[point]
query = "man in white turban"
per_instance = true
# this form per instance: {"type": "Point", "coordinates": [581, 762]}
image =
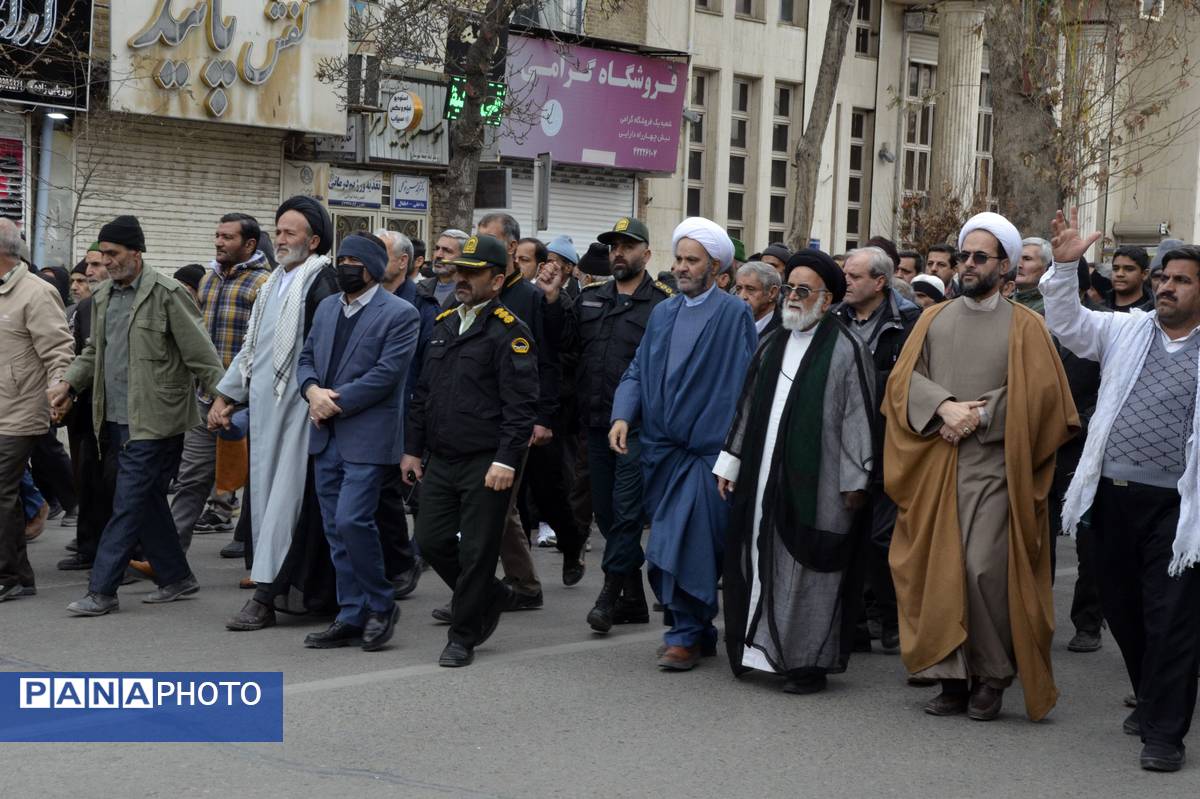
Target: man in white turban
{"type": "Point", "coordinates": [682, 388]}
{"type": "Point", "coordinates": [976, 407]}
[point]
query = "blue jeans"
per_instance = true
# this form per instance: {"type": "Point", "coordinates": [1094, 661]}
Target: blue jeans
{"type": "Point", "coordinates": [349, 495]}
{"type": "Point", "coordinates": [617, 501]}
{"type": "Point", "coordinates": [140, 514]}
{"type": "Point", "coordinates": [31, 498]}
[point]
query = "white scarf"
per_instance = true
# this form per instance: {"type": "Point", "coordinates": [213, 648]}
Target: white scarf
{"type": "Point", "coordinates": [1125, 348]}
{"type": "Point", "coordinates": [290, 317]}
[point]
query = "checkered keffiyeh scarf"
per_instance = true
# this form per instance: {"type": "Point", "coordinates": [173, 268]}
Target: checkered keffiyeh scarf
{"type": "Point", "coordinates": [290, 317]}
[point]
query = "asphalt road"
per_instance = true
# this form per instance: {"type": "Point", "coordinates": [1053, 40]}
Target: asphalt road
{"type": "Point", "coordinates": [549, 709]}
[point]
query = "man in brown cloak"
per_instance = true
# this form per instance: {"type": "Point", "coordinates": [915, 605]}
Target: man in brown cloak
{"type": "Point", "coordinates": [976, 406]}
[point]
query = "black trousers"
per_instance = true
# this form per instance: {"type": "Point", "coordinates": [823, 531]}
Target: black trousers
{"type": "Point", "coordinates": [398, 555]}
{"type": "Point", "coordinates": [549, 485]}
{"type": "Point", "coordinates": [882, 520]}
{"type": "Point", "coordinates": [14, 561]}
{"type": "Point", "coordinates": [52, 471]}
{"type": "Point", "coordinates": [1155, 618]}
{"type": "Point", "coordinates": [1086, 613]}
{"type": "Point", "coordinates": [454, 499]}
{"type": "Point", "coordinates": [97, 483]}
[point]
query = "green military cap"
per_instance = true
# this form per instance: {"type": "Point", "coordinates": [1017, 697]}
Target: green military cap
{"type": "Point", "coordinates": [626, 226]}
{"type": "Point", "coordinates": [482, 252]}
{"type": "Point", "coordinates": [739, 250]}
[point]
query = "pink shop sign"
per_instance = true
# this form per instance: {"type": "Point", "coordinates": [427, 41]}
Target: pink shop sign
{"type": "Point", "coordinates": [593, 107]}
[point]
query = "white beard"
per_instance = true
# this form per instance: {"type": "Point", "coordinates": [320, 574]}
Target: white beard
{"type": "Point", "coordinates": [792, 319]}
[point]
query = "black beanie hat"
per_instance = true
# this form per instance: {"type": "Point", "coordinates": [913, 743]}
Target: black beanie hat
{"type": "Point", "coordinates": [126, 231]}
{"type": "Point", "coordinates": [595, 261]}
{"type": "Point", "coordinates": [190, 275]}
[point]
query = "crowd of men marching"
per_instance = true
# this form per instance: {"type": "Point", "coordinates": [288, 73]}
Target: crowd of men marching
{"type": "Point", "coordinates": [827, 449]}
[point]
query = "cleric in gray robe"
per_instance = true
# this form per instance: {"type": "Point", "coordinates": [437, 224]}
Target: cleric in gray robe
{"type": "Point", "coordinates": [264, 375]}
{"type": "Point", "coordinates": [798, 460]}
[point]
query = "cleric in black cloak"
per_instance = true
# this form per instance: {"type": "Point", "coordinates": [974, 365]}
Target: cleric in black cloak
{"type": "Point", "coordinates": [798, 459]}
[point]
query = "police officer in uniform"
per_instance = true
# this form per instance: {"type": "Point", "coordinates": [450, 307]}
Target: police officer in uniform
{"type": "Point", "coordinates": [605, 328]}
{"type": "Point", "coordinates": [473, 413]}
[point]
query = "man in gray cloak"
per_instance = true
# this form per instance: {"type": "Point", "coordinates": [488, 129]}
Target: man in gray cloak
{"type": "Point", "coordinates": [798, 460]}
{"type": "Point", "coordinates": [264, 375]}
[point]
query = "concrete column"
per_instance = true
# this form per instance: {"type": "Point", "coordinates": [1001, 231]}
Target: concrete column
{"type": "Point", "coordinates": [956, 118]}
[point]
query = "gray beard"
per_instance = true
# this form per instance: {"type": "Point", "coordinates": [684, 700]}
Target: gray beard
{"type": "Point", "coordinates": [293, 258]}
{"type": "Point", "coordinates": [800, 320]}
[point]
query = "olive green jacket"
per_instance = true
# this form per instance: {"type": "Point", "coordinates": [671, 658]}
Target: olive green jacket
{"type": "Point", "coordinates": [167, 347]}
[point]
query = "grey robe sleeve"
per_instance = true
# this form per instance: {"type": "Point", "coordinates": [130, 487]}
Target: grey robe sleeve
{"type": "Point", "coordinates": [857, 456]}
{"type": "Point", "coordinates": [924, 397]}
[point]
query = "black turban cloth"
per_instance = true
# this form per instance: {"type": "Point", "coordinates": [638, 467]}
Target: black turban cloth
{"type": "Point", "coordinates": [595, 261]}
{"type": "Point", "coordinates": [317, 216]}
{"type": "Point", "coordinates": [823, 265]}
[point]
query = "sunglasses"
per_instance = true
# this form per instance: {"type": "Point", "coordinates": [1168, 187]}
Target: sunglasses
{"type": "Point", "coordinates": [803, 292]}
{"type": "Point", "coordinates": [979, 258]}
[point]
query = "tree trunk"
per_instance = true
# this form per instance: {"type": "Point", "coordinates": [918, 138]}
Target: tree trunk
{"type": "Point", "coordinates": [1024, 150]}
{"type": "Point", "coordinates": [456, 191]}
{"type": "Point", "coordinates": [808, 150]}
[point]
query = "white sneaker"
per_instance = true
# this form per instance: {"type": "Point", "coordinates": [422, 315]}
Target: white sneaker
{"type": "Point", "coordinates": [546, 536]}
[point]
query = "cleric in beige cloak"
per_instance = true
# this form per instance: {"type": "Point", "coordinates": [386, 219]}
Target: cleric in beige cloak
{"type": "Point", "coordinates": [976, 406]}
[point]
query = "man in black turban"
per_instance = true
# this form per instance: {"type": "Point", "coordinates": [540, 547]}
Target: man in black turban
{"type": "Point", "coordinates": [797, 461]}
{"type": "Point", "coordinates": [319, 223]}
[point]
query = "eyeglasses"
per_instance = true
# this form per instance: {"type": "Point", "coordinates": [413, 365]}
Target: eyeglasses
{"type": "Point", "coordinates": [979, 258]}
{"type": "Point", "coordinates": [803, 292]}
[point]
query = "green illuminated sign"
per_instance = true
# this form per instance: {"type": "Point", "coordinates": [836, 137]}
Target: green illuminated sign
{"type": "Point", "coordinates": [491, 109]}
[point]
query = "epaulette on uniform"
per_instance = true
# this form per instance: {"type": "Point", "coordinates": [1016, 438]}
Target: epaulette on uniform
{"type": "Point", "coordinates": [504, 315]}
{"type": "Point", "coordinates": [444, 314]}
{"type": "Point", "coordinates": [664, 288]}
{"type": "Point", "coordinates": [594, 285]}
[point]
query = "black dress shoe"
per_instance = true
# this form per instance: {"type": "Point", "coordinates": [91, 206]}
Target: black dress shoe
{"type": "Point", "coordinates": [72, 545]}
{"type": "Point", "coordinates": [522, 601]}
{"type": "Point", "coordinates": [74, 563]}
{"type": "Point", "coordinates": [337, 634]}
{"type": "Point", "coordinates": [379, 629]}
{"type": "Point", "coordinates": [442, 614]}
{"type": "Point", "coordinates": [456, 655]}
{"type": "Point", "coordinates": [1131, 725]}
{"type": "Point", "coordinates": [1162, 757]}
{"type": "Point", "coordinates": [234, 549]}
{"type": "Point", "coordinates": [573, 569]}
{"type": "Point", "coordinates": [806, 684]}
{"type": "Point", "coordinates": [405, 583]}
{"type": "Point", "coordinates": [253, 616]}
{"type": "Point", "coordinates": [1085, 641]}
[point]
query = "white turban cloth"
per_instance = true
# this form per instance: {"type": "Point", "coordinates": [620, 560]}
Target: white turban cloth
{"type": "Point", "coordinates": [709, 235]}
{"type": "Point", "coordinates": [998, 226]}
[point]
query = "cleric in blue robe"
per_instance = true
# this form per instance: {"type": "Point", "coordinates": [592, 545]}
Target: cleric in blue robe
{"type": "Point", "coordinates": [682, 389]}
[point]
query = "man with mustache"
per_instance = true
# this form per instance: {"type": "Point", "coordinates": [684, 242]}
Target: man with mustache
{"type": "Point", "coordinates": [976, 407]}
{"type": "Point", "coordinates": [1139, 475]}
{"type": "Point", "coordinates": [681, 388]}
{"type": "Point", "coordinates": [798, 461]}
{"type": "Point", "coordinates": [605, 329]}
{"type": "Point", "coordinates": [446, 248]}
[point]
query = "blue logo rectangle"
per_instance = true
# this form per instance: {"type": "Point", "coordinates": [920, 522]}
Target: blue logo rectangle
{"type": "Point", "coordinates": [235, 707]}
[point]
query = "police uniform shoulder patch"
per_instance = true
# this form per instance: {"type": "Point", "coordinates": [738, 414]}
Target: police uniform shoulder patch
{"type": "Point", "coordinates": [664, 288]}
{"type": "Point", "coordinates": [504, 315]}
{"type": "Point", "coordinates": [444, 314]}
{"type": "Point", "coordinates": [520, 345]}
{"type": "Point", "coordinates": [593, 286]}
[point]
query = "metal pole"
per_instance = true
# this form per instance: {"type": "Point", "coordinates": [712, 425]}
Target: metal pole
{"type": "Point", "coordinates": [41, 215]}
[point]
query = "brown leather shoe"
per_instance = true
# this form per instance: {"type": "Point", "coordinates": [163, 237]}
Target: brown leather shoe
{"type": "Point", "coordinates": [948, 703]}
{"type": "Point", "coordinates": [679, 658]}
{"type": "Point", "coordinates": [142, 567]}
{"type": "Point", "coordinates": [247, 584]}
{"type": "Point", "coordinates": [253, 616]}
{"type": "Point", "coordinates": [985, 702]}
{"type": "Point", "coordinates": [34, 527]}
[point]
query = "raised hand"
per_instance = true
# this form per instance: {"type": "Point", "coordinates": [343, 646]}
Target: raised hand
{"type": "Point", "coordinates": [1066, 242]}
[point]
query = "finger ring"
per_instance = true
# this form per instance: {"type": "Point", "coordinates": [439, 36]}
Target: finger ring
{"type": "Point", "coordinates": [965, 431]}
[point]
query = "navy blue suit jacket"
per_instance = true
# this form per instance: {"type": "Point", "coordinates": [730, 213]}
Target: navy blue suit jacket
{"type": "Point", "coordinates": [370, 379]}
